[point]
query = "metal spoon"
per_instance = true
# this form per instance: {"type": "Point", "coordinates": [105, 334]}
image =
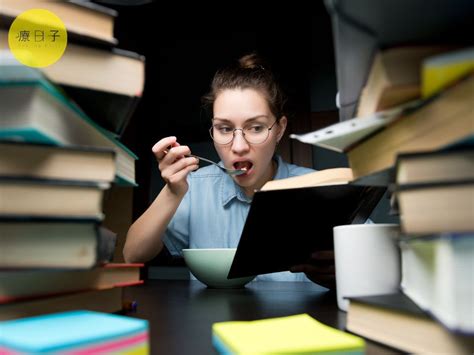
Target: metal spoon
{"type": "Point", "coordinates": [228, 171]}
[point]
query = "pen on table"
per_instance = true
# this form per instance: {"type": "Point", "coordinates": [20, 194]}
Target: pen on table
{"type": "Point", "coordinates": [129, 306]}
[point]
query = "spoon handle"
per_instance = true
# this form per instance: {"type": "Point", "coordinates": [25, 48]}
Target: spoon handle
{"type": "Point", "coordinates": [228, 171]}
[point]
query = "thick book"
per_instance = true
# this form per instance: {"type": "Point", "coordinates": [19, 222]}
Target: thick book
{"type": "Point", "coordinates": [75, 332]}
{"type": "Point", "coordinates": [396, 321]}
{"type": "Point", "coordinates": [295, 334]}
{"type": "Point", "coordinates": [43, 161]}
{"type": "Point", "coordinates": [106, 83]}
{"type": "Point", "coordinates": [394, 78]}
{"type": "Point", "coordinates": [372, 143]}
{"type": "Point", "coordinates": [51, 198]}
{"type": "Point", "coordinates": [85, 21]}
{"type": "Point", "coordinates": [436, 207]}
{"type": "Point", "coordinates": [291, 218]}
{"type": "Point", "coordinates": [34, 110]}
{"type": "Point", "coordinates": [432, 167]}
{"type": "Point", "coordinates": [100, 300]}
{"type": "Point", "coordinates": [30, 242]}
{"type": "Point", "coordinates": [112, 111]}
{"type": "Point", "coordinates": [440, 122]}
{"type": "Point", "coordinates": [437, 274]}
{"type": "Point", "coordinates": [17, 284]}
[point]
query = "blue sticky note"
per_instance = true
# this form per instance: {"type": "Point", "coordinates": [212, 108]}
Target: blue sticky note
{"type": "Point", "coordinates": [60, 331]}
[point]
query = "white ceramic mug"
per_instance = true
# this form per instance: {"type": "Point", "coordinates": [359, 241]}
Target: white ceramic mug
{"type": "Point", "coordinates": [367, 260]}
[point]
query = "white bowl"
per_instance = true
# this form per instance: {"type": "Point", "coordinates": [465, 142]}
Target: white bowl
{"type": "Point", "coordinates": [211, 267]}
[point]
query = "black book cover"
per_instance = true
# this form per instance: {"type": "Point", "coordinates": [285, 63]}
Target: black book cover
{"type": "Point", "coordinates": [110, 110]}
{"type": "Point", "coordinates": [95, 7]}
{"type": "Point", "coordinates": [385, 177]}
{"type": "Point", "coordinates": [284, 227]}
{"type": "Point", "coordinates": [73, 37]}
{"type": "Point", "coordinates": [395, 320]}
{"type": "Point", "coordinates": [398, 302]}
{"type": "Point", "coordinates": [45, 182]}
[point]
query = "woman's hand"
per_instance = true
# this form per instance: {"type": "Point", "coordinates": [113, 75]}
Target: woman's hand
{"type": "Point", "coordinates": [321, 269]}
{"type": "Point", "coordinates": [173, 164]}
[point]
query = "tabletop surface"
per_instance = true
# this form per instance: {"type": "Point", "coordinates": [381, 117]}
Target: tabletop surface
{"type": "Point", "coordinates": [181, 313]}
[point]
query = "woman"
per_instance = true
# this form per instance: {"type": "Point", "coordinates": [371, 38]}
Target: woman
{"type": "Point", "coordinates": [208, 208]}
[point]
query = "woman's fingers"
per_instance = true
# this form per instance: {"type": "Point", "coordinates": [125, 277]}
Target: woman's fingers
{"type": "Point", "coordinates": [181, 175]}
{"type": "Point", "coordinates": [169, 170]}
{"type": "Point", "coordinates": [175, 153]}
{"type": "Point", "coordinates": [323, 255]}
{"type": "Point", "coordinates": [162, 145]}
{"type": "Point", "coordinates": [167, 152]}
{"type": "Point", "coordinates": [174, 164]}
{"type": "Point", "coordinates": [314, 269]}
{"type": "Point", "coordinates": [320, 268]}
{"type": "Point", "coordinates": [322, 275]}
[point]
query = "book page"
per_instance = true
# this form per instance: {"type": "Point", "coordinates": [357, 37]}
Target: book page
{"type": "Point", "coordinates": [318, 178]}
{"type": "Point", "coordinates": [341, 136]}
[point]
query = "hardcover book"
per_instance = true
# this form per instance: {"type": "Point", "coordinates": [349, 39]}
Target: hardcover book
{"type": "Point", "coordinates": [43, 161]}
{"type": "Point", "coordinates": [34, 110]}
{"type": "Point", "coordinates": [291, 218]}
{"type": "Point", "coordinates": [437, 272]}
{"type": "Point", "coordinates": [20, 284]}
{"type": "Point", "coordinates": [86, 22]}
{"type": "Point", "coordinates": [29, 242]}
{"type": "Point", "coordinates": [395, 320]}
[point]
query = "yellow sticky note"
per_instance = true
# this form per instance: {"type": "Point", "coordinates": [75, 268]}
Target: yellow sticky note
{"type": "Point", "coordinates": [298, 334]}
{"type": "Point", "coordinates": [444, 69]}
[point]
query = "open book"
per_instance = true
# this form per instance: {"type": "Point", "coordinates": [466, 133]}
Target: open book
{"type": "Point", "coordinates": [291, 218]}
{"type": "Point", "coordinates": [318, 178]}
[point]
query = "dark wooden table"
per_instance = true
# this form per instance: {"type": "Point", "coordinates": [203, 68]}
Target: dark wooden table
{"type": "Point", "coordinates": [181, 313]}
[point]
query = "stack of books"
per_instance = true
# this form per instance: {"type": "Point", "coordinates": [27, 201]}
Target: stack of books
{"type": "Point", "coordinates": [434, 310]}
{"type": "Point", "coordinates": [105, 81]}
{"type": "Point", "coordinates": [412, 102]}
{"type": "Point", "coordinates": [415, 134]}
{"type": "Point", "coordinates": [26, 292]}
{"type": "Point", "coordinates": [59, 154]}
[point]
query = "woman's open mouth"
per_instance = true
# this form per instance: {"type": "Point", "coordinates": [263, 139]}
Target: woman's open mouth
{"type": "Point", "coordinates": [243, 165]}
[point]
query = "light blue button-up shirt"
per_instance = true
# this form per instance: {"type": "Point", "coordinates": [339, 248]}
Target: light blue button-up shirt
{"type": "Point", "coordinates": [212, 214]}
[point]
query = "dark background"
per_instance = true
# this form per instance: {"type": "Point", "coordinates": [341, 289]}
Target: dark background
{"type": "Point", "coordinates": [185, 45]}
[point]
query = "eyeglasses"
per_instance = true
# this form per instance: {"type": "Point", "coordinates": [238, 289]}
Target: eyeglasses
{"type": "Point", "coordinates": [255, 133]}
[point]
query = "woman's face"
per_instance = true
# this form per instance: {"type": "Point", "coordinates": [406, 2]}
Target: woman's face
{"type": "Point", "coordinates": [237, 108]}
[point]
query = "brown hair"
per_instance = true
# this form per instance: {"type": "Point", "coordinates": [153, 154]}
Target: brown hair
{"type": "Point", "coordinates": [250, 72]}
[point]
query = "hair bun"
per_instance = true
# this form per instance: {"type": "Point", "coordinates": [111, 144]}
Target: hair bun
{"type": "Point", "coordinates": [251, 61]}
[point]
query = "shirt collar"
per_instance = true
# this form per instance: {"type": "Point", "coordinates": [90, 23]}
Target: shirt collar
{"type": "Point", "coordinates": [230, 190]}
{"type": "Point", "coordinates": [282, 170]}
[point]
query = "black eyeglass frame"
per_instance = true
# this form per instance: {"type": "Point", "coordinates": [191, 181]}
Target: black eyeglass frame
{"type": "Point", "coordinates": [243, 135]}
